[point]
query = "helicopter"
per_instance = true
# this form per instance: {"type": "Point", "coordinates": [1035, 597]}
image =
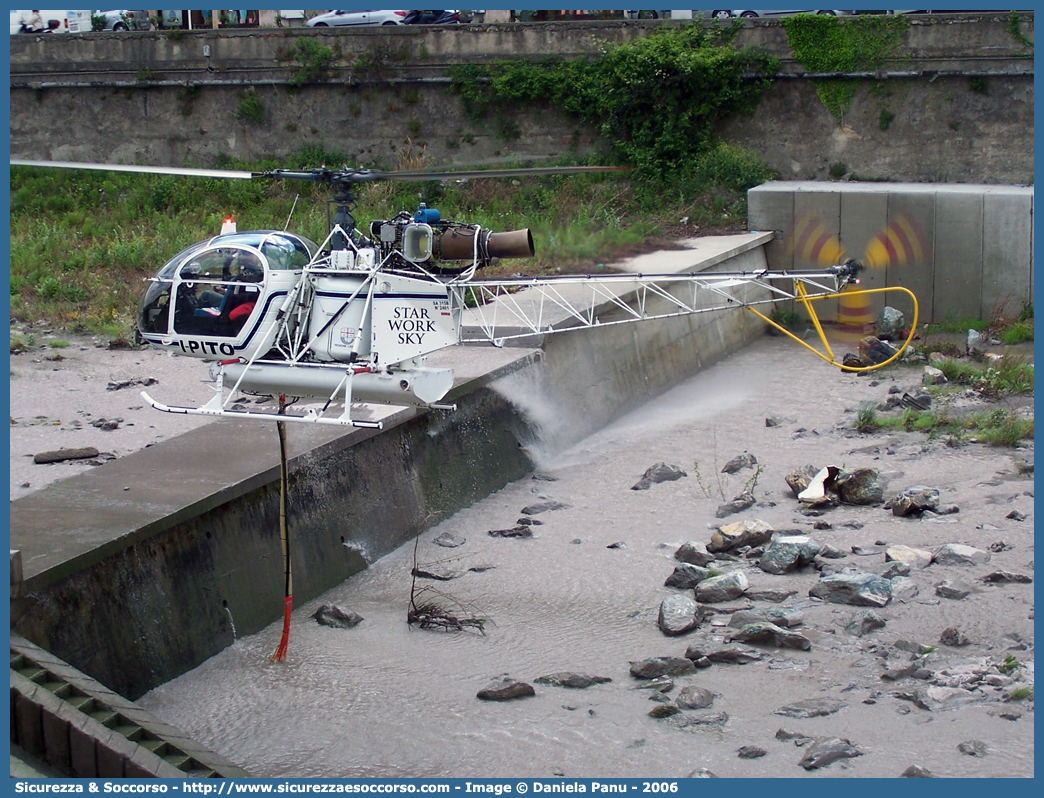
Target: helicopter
{"type": "Point", "coordinates": [353, 319]}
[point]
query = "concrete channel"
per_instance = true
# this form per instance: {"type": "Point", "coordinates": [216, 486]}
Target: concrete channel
{"type": "Point", "coordinates": [140, 570]}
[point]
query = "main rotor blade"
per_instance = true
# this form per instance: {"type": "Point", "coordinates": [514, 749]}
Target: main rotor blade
{"type": "Point", "coordinates": [149, 170]}
{"type": "Point", "coordinates": [461, 174]}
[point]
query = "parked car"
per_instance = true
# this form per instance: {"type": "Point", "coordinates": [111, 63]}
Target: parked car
{"type": "Point", "coordinates": [772, 13]}
{"type": "Point", "coordinates": [338, 18]}
{"type": "Point", "coordinates": [124, 20]}
{"type": "Point", "coordinates": [432, 18]}
{"type": "Point", "coordinates": [51, 21]}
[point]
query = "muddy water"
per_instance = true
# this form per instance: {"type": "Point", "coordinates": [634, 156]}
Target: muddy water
{"type": "Point", "coordinates": [385, 699]}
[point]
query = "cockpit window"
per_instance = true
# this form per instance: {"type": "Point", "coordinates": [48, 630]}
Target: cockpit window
{"type": "Point", "coordinates": [281, 250]}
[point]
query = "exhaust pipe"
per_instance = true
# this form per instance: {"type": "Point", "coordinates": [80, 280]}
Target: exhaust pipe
{"type": "Point", "coordinates": [457, 244]}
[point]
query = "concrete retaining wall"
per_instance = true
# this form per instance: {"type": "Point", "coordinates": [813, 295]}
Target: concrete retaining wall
{"type": "Point", "coordinates": [153, 97]}
{"type": "Point", "coordinates": [81, 728]}
{"type": "Point", "coordinates": [964, 250]}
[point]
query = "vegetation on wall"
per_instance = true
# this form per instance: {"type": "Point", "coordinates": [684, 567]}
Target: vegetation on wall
{"type": "Point", "coordinates": [825, 43]}
{"type": "Point", "coordinates": [1015, 27]}
{"type": "Point", "coordinates": [657, 100]}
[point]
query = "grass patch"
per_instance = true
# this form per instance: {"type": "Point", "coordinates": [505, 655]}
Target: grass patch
{"type": "Point", "coordinates": [58, 343]}
{"type": "Point", "coordinates": [1011, 374]}
{"type": "Point", "coordinates": [995, 427]}
{"type": "Point", "coordinates": [1024, 693]}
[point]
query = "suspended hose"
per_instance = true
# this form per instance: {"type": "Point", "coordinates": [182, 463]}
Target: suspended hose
{"type": "Point", "coordinates": [284, 537]}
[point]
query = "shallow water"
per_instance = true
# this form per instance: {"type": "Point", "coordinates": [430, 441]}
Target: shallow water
{"type": "Point", "coordinates": [385, 699]}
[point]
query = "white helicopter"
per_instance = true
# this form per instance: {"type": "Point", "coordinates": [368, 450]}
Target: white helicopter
{"type": "Point", "coordinates": [353, 319]}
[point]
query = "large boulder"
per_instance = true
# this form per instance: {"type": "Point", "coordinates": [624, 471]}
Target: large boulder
{"type": "Point", "coordinates": [788, 553]}
{"type": "Point", "coordinates": [959, 554]}
{"type": "Point", "coordinates": [752, 532]}
{"type": "Point", "coordinates": [866, 590]}
{"type": "Point", "coordinates": [686, 576]}
{"type": "Point", "coordinates": [890, 324]}
{"type": "Point", "coordinates": [722, 588]}
{"type": "Point", "coordinates": [661, 472]}
{"type": "Point", "coordinates": [693, 552]}
{"type": "Point", "coordinates": [915, 500]}
{"type": "Point", "coordinates": [679, 614]}
{"type": "Point", "coordinates": [861, 486]}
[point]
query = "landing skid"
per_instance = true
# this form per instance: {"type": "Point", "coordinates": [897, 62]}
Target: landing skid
{"type": "Point", "coordinates": [310, 416]}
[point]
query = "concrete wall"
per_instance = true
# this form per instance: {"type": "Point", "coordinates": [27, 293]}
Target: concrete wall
{"type": "Point", "coordinates": [83, 729]}
{"type": "Point", "coordinates": [123, 97]}
{"type": "Point", "coordinates": [149, 588]}
{"type": "Point", "coordinates": [965, 251]}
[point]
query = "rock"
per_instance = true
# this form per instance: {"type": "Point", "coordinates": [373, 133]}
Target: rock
{"type": "Point", "coordinates": [750, 752]}
{"type": "Point", "coordinates": [722, 588]}
{"type": "Point", "coordinates": [915, 500]}
{"type": "Point", "coordinates": [959, 554]}
{"type": "Point", "coordinates": [701, 721]}
{"type": "Point", "coordinates": [329, 615]}
{"type": "Point", "coordinates": [811, 708]}
{"type": "Point", "coordinates": [921, 400]}
{"type": "Point", "coordinates": [873, 350]}
{"type": "Point", "coordinates": [976, 343]}
{"type": "Point", "coordinates": [863, 622]}
{"type": "Point", "coordinates": [895, 569]}
{"type": "Point", "coordinates": [739, 462]}
{"type": "Point", "coordinates": [701, 773]}
{"type": "Point", "coordinates": [437, 572]}
{"type": "Point", "coordinates": [823, 752]}
{"type": "Point", "coordinates": [662, 666]}
{"type": "Point", "coordinates": [951, 589]}
{"type": "Point", "coordinates": [678, 615]}
{"type": "Point", "coordinates": [119, 385]}
{"type": "Point", "coordinates": [661, 472]}
{"type": "Point", "coordinates": [859, 487]}
{"type": "Point", "coordinates": [752, 532]}
{"type": "Point", "coordinates": [1007, 577]}
{"type": "Point", "coordinates": [693, 697]}
{"type": "Point", "coordinates": [1015, 515]}
{"type": "Point", "coordinates": [975, 748]}
{"type": "Point", "coordinates": [734, 655]}
{"type": "Point", "coordinates": [774, 421]}
{"type": "Point", "coordinates": [576, 681]}
{"type": "Point", "coordinates": [933, 376]}
{"type": "Point", "coordinates": [799, 739]}
{"type": "Point", "coordinates": [543, 507]}
{"type": "Point", "coordinates": [917, 772]}
{"type": "Point", "coordinates": [449, 541]}
{"type": "Point", "coordinates": [61, 455]}
{"type": "Point", "coordinates": [505, 689]}
{"type": "Point", "coordinates": [913, 558]}
{"type": "Point", "coordinates": [800, 479]}
{"type": "Point", "coordinates": [777, 615]}
{"type": "Point", "coordinates": [661, 684]}
{"type": "Point", "coordinates": [694, 553]}
{"type": "Point", "coordinates": [528, 521]}
{"type": "Point", "coordinates": [788, 553]}
{"type": "Point", "coordinates": [890, 324]}
{"type": "Point", "coordinates": [953, 637]}
{"type": "Point", "coordinates": [515, 532]}
{"type": "Point", "coordinates": [867, 590]}
{"type": "Point", "coordinates": [771, 635]}
{"type": "Point", "coordinates": [830, 553]}
{"type": "Point", "coordinates": [618, 545]}
{"type": "Point", "coordinates": [903, 588]}
{"type": "Point", "coordinates": [737, 505]}
{"type": "Point", "coordinates": [664, 710]}
{"type": "Point", "coordinates": [686, 576]}
{"type": "Point", "coordinates": [775, 596]}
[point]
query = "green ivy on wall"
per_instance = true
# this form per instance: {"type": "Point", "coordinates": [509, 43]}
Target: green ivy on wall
{"type": "Point", "coordinates": [825, 43]}
{"type": "Point", "coordinates": [1015, 27]}
{"type": "Point", "coordinates": [657, 100]}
